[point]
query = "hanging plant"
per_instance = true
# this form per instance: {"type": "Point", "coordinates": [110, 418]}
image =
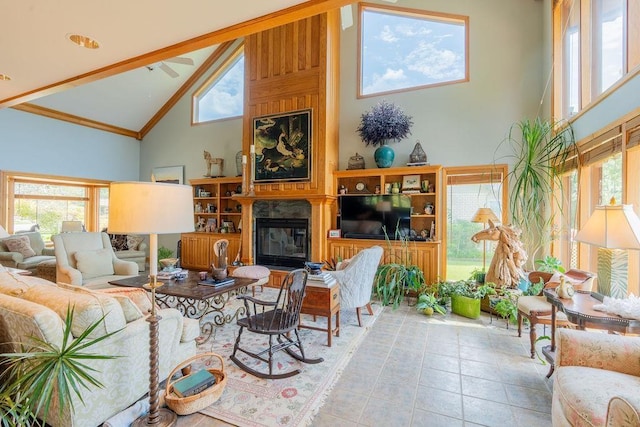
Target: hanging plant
{"type": "Point", "coordinates": [385, 122]}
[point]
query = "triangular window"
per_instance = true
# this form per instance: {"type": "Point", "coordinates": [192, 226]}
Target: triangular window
{"type": "Point", "coordinates": [222, 95]}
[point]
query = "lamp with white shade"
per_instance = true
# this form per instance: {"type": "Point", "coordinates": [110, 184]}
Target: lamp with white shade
{"type": "Point", "coordinates": [151, 208]}
{"type": "Point", "coordinates": [484, 215]}
{"type": "Point", "coordinates": [614, 229]}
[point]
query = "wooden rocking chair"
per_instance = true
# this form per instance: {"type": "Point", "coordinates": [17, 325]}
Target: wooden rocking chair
{"type": "Point", "coordinates": [277, 319]}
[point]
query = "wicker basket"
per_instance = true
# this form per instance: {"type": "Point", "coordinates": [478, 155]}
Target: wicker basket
{"type": "Point", "coordinates": [190, 404]}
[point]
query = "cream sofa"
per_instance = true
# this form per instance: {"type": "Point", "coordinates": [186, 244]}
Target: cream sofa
{"type": "Point", "coordinates": [25, 260]}
{"type": "Point", "coordinates": [87, 259]}
{"type": "Point", "coordinates": [129, 247]}
{"type": "Point", "coordinates": [34, 307]}
{"type": "Point", "coordinates": [597, 378]}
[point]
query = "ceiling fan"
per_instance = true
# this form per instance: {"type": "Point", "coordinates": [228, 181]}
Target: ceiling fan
{"type": "Point", "coordinates": [167, 69]}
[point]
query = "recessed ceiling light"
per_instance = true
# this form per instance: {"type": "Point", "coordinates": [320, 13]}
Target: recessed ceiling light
{"type": "Point", "coordinates": [4, 77]}
{"type": "Point", "coordinates": [83, 41]}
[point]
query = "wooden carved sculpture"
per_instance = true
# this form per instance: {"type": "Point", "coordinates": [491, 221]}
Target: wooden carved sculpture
{"type": "Point", "coordinates": [218, 161]}
{"type": "Point", "coordinates": [509, 258]}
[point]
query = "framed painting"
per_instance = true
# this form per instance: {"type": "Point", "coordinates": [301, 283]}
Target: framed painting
{"type": "Point", "coordinates": [168, 174]}
{"type": "Point", "coordinates": [282, 145]}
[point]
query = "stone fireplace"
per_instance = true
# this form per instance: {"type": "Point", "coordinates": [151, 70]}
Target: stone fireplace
{"type": "Point", "coordinates": [281, 233]}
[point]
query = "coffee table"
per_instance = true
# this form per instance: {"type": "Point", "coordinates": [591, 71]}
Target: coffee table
{"type": "Point", "coordinates": [195, 301]}
{"type": "Point", "coordinates": [579, 310]}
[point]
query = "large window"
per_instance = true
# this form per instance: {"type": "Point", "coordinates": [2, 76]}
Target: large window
{"type": "Point", "coordinates": [222, 95]}
{"type": "Point", "coordinates": [468, 189]}
{"type": "Point", "coordinates": [595, 45]}
{"type": "Point", "coordinates": [609, 46]}
{"type": "Point", "coordinates": [402, 49]}
{"type": "Point", "coordinates": [43, 202]}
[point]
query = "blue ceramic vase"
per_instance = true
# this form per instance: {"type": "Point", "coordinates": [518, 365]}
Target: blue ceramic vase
{"type": "Point", "coordinates": [384, 156]}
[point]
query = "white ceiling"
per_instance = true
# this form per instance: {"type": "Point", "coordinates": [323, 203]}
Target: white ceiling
{"type": "Point", "coordinates": [36, 54]}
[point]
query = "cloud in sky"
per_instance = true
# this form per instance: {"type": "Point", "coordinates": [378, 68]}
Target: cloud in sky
{"type": "Point", "coordinates": [435, 63]}
{"type": "Point", "coordinates": [225, 98]}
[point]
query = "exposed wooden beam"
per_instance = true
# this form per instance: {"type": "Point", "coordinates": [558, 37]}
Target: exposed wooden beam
{"type": "Point", "coordinates": [58, 115]}
{"type": "Point", "coordinates": [185, 87]}
{"type": "Point", "coordinates": [291, 14]}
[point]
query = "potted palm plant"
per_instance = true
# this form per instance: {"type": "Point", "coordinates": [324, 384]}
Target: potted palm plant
{"type": "Point", "coordinates": [32, 378]}
{"type": "Point", "coordinates": [538, 148]}
{"type": "Point", "coordinates": [384, 123]}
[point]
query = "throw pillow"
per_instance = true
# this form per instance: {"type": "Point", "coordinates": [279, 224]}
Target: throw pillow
{"type": "Point", "coordinates": [130, 310]}
{"type": "Point", "coordinates": [94, 263]}
{"type": "Point", "coordinates": [20, 244]}
{"type": "Point", "coordinates": [138, 296]}
{"type": "Point", "coordinates": [134, 241]}
{"type": "Point", "coordinates": [118, 242]}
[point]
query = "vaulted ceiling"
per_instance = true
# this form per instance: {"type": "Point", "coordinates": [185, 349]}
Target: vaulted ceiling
{"type": "Point", "coordinates": [121, 86]}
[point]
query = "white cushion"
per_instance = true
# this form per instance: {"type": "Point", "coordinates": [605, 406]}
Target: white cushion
{"type": "Point", "coordinates": [94, 263]}
{"type": "Point", "coordinates": [20, 244]}
{"type": "Point", "coordinates": [129, 309]}
{"type": "Point", "coordinates": [251, 272]}
{"type": "Point", "coordinates": [87, 308]}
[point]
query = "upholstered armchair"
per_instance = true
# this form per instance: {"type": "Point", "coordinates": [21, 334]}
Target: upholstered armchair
{"type": "Point", "coordinates": [24, 251]}
{"type": "Point", "coordinates": [87, 259]}
{"type": "Point", "coordinates": [596, 379]}
{"type": "Point", "coordinates": [356, 280]}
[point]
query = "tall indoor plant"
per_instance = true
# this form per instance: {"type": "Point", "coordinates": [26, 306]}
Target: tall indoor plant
{"type": "Point", "coordinates": [539, 148]}
{"type": "Point", "coordinates": [32, 378]}
{"type": "Point", "coordinates": [384, 123]}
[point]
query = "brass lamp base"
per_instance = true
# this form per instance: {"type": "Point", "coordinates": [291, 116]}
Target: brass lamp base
{"type": "Point", "coordinates": [165, 418]}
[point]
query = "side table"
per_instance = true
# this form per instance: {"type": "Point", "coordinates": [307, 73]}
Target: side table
{"type": "Point", "coordinates": [579, 310]}
{"type": "Point", "coordinates": [322, 298]}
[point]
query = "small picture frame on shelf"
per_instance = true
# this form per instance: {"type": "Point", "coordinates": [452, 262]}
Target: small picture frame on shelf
{"type": "Point", "coordinates": [228, 227]}
{"type": "Point", "coordinates": [212, 225]}
{"type": "Point", "coordinates": [334, 233]}
{"type": "Point", "coordinates": [411, 183]}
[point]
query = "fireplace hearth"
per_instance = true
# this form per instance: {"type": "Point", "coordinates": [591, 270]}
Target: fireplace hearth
{"type": "Point", "coordinates": [282, 242]}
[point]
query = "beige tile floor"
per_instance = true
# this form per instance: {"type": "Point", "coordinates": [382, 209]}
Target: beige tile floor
{"type": "Point", "coordinates": [414, 370]}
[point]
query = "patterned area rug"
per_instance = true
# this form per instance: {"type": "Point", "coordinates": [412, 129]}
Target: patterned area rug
{"type": "Point", "coordinates": [251, 401]}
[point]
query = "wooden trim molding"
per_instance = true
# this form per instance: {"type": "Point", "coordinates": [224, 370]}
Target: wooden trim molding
{"type": "Point", "coordinates": [82, 121]}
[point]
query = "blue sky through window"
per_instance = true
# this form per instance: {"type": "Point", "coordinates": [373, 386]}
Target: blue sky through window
{"type": "Point", "coordinates": [402, 51]}
{"type": "Point", "coordinates": [225, 97]}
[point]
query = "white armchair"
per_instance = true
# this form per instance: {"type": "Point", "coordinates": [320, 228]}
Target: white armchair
{"type": "Point", "coordinates": [356, 280]}
{"type": "Point", "coordinates": [87, 259]}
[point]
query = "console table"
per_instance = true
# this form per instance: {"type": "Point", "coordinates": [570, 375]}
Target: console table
{"type": "Point", "coordinates": [579, 310]}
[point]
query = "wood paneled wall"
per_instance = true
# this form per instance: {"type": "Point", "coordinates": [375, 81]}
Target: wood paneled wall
{"type": "Point", "coordinates": [289, 68]}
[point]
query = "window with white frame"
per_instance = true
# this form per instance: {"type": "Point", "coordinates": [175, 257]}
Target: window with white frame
{"type": "Point", "coordinates": [402, 49]}
{"type": "Point", "coordinates": [572, 58]}
{"type": "Point", "coordinates": [222, 95]}
{"type": "Point", "coordinates": [609, 47]}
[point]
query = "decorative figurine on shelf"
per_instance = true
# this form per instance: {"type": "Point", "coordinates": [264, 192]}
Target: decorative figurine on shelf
{"type": "Point", "coordinates": [417, 157]}
{"type": "Point", "coordinates": [201, 224]}
{"type": "Point", "coordinates": [356, 162]}
{"type": "Point", "coordinates": [210, 161]}
{"type": "Point", "coordinates": [428, 208]}
{"type": "Point", "coordinates": [425, 186]}
{"type": "Point", "coordinates": [342, 189]}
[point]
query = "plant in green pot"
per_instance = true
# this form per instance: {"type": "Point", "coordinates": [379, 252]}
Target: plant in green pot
{"type": "Point", "coordinates": [384, 123]}
{"type": "Point", "coordinates": [466, 296]}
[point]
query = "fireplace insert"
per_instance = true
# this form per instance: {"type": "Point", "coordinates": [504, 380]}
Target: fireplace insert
{"type": "Point", "coordinates": [282, 242]}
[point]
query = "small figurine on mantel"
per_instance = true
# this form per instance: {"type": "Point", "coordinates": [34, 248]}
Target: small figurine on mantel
{"type": "Point", "coordinates": [417, 157]}
{"type": "Point", "coordinates": [356, 162]}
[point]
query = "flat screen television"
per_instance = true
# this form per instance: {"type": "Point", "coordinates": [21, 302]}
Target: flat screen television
{"type": "Point", "coordinates": [368, 216]}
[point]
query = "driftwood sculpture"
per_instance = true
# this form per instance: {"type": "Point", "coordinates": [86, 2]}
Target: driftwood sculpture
{"type": "Point", "coordinates": [218, 161]}
{"type": "Point", "coordinates": [507, 262]}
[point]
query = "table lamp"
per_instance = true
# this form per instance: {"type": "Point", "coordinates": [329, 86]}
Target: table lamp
{"type": "Point", "coordinates": [614, 229]}
{"type": "Point", "coordinates": [151, 208]}
{"type": "Point", "coordinates": [484, 215]}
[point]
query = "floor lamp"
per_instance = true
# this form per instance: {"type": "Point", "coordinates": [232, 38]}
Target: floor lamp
{"type": "Point", "coordinates": [484, 215]}
{"type": "Point", "coordinates": [151, 208]}
{"type": "Point", "coordinates": [613, 229]}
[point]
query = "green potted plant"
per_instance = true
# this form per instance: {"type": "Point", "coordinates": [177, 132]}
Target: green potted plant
{"type": "Point", "coordinates": [550, 264]}
{"type": "Point", "coordinates": [478, 275]}
{"type": "Point", "coordinates": [31, 378]}
{"type": "Point", "coordinates": [538, 148]}
{"type": "Point", "coordinates": [394, 280]}
{"type": "Point", "coordinates": [384, 123]}
{"type": "Point", "coordinates": [466, 296]}
{"type": "Point", "coordinates": [428, 304]}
